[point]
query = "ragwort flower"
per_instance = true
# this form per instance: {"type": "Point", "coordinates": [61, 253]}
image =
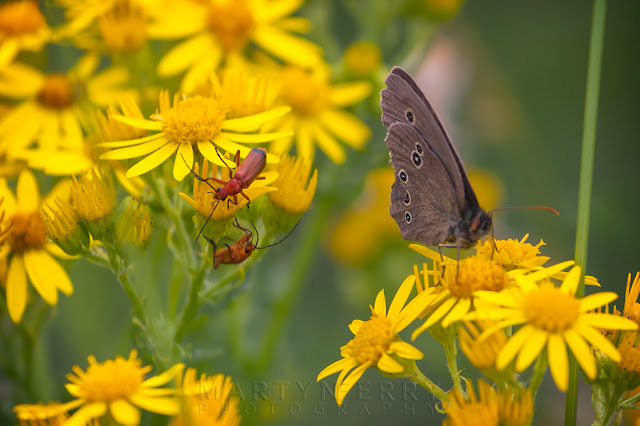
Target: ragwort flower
{"type": "Point", "coordinates": [207, 401]}
{"type": "Point", "coordinates": [376, 342]}
{"type": "Point", "coordinates": [117, 387]}
{"type": "Point", "coordinates": [191, 123]}
{"type": "Point", "coordinates": [27, 251]}
{"type": "Point", "coordinates": [221, 31]}
{"type": "Point", "coordinates": [317, 116]}
{"type": "Point", "coordinates": [22, 27]}
{"type": "Point", "coordinates": [551, 318]}
{"type": "Point", "coordinates": [55, 105]}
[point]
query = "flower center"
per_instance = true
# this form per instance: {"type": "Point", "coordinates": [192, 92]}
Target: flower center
{"type": "Point", "coordinates": [56, 92]}
{"type": "Point", "coordinates": [20, 17]}
{"type": "Point", "coordinates": [112, 380]}
{"type": "Point", "coordinates": [550, 309]}
{"type": "Point", "coordinates": [473, 274]}
{"type": "Point", "coordinates": [123, 28]}
{"type": "Point", "coordinates": [27, 232]}
{"type": "Point", "coordinates": [232, 22]}
{"type": "Point", "coordinates": [305, 94]}
{"type": "Point", "coordinates": [193, 120]}
{"type": "Point", "coordinates": [372, 340]}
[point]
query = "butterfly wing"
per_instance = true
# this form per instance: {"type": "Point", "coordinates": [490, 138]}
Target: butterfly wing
{"type": "Point", "coordinates": [403, 102]}
{"type": "Point", "coordinates": [423, 197]}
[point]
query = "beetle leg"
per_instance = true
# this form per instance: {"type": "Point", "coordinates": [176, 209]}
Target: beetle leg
{"type": "Point", "coordinates": [248, 199]}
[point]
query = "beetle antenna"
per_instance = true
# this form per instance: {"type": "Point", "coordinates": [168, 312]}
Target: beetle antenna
{"type": "Point", "coordinates": [200, 178]}
{"type": "Point", "coordinates": [255, 229]}
{"type": "Point", "coordinates": [207, 221]}
{"type": "Point", "coordinates": [285, 237]}
{"type": "Point", "coordinates": [222, 159]}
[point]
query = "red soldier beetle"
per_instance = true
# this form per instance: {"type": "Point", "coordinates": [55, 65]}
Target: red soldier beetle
{"type": "Point", "coordinates": [246, 172]}
{"type": "Point", "coordinates": [239, 251]}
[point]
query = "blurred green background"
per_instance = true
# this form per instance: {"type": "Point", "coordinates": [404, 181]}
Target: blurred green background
{"type": "Point", "coordinates": [516, 111]}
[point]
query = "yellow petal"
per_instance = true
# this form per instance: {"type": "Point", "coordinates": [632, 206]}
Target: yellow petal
{"type": "Point", "coordinates": [513, 345]}
{"type": "Point", "coordinates": [558, 361]}
{"type": "Point", "coordinates": [582, 353]}
{"type": "Point", "coordinates": [257, 138]}
{"type": "Point", "coordinates": [343, 364]}
{"type": "Point", "coordinates": [276, 10]}
{"type": "Point", "coordinates": [16, 288]}
{"type": "Point", "coordinates": [208, 150]}
{"type": "Point", "coordinates": [347, 127]}
{"type": "Point", "coordinates": [163, 378]}
{"type": "Point", "coordinates": [120, 144]}
{"type": "Point", "coordinates": [136, 150]}
{"type": "Point", "coordinates": [597, 339]}
{"type": "Point", "coordinates": [139, 123]}
{"type": "Point", "coordinates": [380, 305]}
{"type": "Point", "coordinates": [304, 142]}
{"type": "Point", "coordinates": [608, 321]}
{"type": "Point", "coordinates": [186, 53]}
{"type": "Point", "coordinates": [153, 160]}
{"type": "Point", "coordinates": [87, 412]}
{"type": "Point", "coordinates": [593, 301]}
{"type": "Point", "coordinates": [184, 161]}
{"type": "Point", "coordinates": [531, 349]}
{"type": "Point", "coordinates": [165, 406]}
{"type": "Point", "coordinates": [327, 144]}
{"type": "Point", "coordinates": [124, 413]}
{"type": "Point", "coordinates": [349, 381]}
{"type": "Point", "coordinates": [415, 308]}
{"type": "Point", "coordinates": [349, 93]}
{"type": "Point", "coordinates": [355, 325]}
{"type": "Point", "coordinates": [253, 122]}
{"type": "Point", "coordinates": [405, 350]}
{"type": "Point", "coordinates": [389, 365]}
{"type": "Point", "coordinates": [571, 281]}
{"type": "Point", "coordinates": [290, 48]}
{"type": "Point", "coordinates": [27, 192]}
{"type": "Point", "coordinates": [401, 297]}
{"type": "Point", "coordinates": [45, 273]}
{"type": "Point", "coordinates": [457, 312]}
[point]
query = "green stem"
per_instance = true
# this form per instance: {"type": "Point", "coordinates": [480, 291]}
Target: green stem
{"type": "Point", "coordinates": [294, 284]}
{"type": "Point", "coordinates": [193, 303]}
{"type": "Point", "coordinates": [451, 352]}
{"type": "Point", "coordinates": [586, 178]}
{"type": "Point", "coordinates": [416, 375]}
{"type": "Point", "coordinates": [538, 373]}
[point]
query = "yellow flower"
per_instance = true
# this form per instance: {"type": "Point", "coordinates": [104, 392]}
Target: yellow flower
{"type": "Point", "coordinates": [61, 223]}
{"type": "Point", "coordinates": [50, 414]}
{"type": "Point", "coordinates": [362, 58]}
{"type": "Point", "coordinates": [630, 353]}
{"type": "Point", "coordinates": [207, 401]}
{"type": "Point", "coordinates": [461, 282]}
{"type": "Point", "coordinates": [509, 406]}
{"type": "Point", "coordinates": [27, 251]}
{"type": "Point", "coordinates": [118, 387]}
{"type": "Point", "coordinates": [513, 254]}
{"type": "Point", "coordinates": [94, 198]}
{"type": "Point", "coordinates": [55, 105]}
{"type": "Point", "coordinates": [316, 115]}
{"type": "Point", "coordinates": [5, 227]}
{"type": "Point", "coordinates": [295, 189]}
{"type": "Point", "coordinates": [376, 342]}
{"type": "Point", "coordinates": [134, 225]}
{"type": "Point", "coordinates": [204, 201]}
{"type": "Point", "coordinates": [551, 318]}
{"type": "Point", "coordinates": [220, 31]}
{"type": "Point", "coordinates": [631, 305]}
{"type": "Point", "coordinates": [482, 353]}
{"type": "Point", "coordinates": [192, 122]}
{"type": "Point", "coordinates": [22, 27]}
{"type": "Point", "coordinates": [360, 233]}
{"type": "Point", "coordinates": [113, 26]}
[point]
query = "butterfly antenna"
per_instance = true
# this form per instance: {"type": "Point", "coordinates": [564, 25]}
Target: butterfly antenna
{"type": "Point", "coordinates": [285, 237]}
{"type": "Point", "coordinates": [549, 209]}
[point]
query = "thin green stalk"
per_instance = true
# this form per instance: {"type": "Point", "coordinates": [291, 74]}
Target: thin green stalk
{"type": "Point", "coordinates": [451, 353]}
{"type": "Point", "coordinates": [538, 374]}
{"type": "Point", "coordinates": [416, 376]}
{"type": "Point", "coordinates": [586, 178]}
{"type": "Point", "coordinates": [193, 303]}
